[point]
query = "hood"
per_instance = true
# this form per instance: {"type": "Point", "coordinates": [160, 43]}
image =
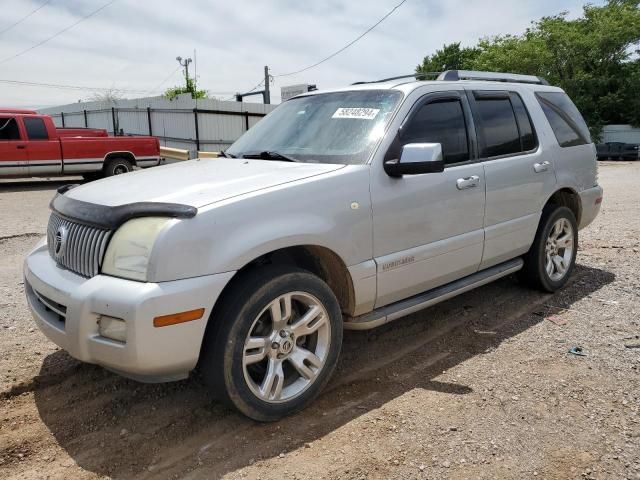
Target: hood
{"type": "Point", "coordinates": [196, 182]}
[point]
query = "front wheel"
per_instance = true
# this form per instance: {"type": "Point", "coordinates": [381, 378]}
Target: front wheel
{"type": "Point", "coordinates": [274, 343]}
{"type": "Point", "coordinates": [551, 259]}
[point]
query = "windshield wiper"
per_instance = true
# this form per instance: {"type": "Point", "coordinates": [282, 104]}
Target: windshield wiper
{"type": "Point", "coordinates": [270, 155]}
{"type": "Point", "coordinates": [227, 155]}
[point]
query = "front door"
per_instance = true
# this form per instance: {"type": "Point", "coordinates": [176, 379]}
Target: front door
{"type": "Point", "coordinates": [428, 229]}
{"type": "Point", "coordinates": [13, 148]}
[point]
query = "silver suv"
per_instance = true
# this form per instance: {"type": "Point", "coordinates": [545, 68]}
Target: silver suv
{"type": "Point", "coordinates": [342, 209]}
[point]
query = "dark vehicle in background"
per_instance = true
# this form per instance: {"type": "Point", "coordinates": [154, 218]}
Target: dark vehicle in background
{"type": "Point", "coordinates": [618, 151]}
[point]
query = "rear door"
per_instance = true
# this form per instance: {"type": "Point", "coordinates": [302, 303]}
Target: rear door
{"type": "Point", "coordinates": [45, 157]}
{"type": "Point", "coordinates": [519, 174]}
{"type": "Point", "coordinates": [13, 148]}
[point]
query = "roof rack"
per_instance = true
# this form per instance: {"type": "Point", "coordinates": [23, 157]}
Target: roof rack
{"type": "Point", "coordinates": [456, 75]}
{"type": "Point", "coordinates": [417, 76]}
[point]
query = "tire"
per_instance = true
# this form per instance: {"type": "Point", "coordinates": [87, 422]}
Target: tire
{"type": "Point", "coordinates": [117, 166]}
{"type": "Point", "coordinates": [537, 272]}
{"type": "Point", "coordinates": [263, 382]}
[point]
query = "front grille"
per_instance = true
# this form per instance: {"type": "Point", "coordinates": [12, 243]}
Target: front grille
{"type": "Point", "coordinates": [76, 247]}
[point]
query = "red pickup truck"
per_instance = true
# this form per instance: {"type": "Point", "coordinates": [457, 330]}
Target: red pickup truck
{"type": "Point", "coordinates": [31, 145]}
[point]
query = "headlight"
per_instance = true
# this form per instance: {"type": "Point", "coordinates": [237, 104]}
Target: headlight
{"type": "Point", "coordinates": [130, 248]}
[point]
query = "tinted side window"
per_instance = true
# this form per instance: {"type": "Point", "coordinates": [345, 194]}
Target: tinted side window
{"type": "Point", "coordinates": [499, 127]}
{"type": "Point", "coordinates": [527, 134]}
{"type": "Point", "coordinates": [9, 129]}
{"type": "Point", "coordinates": [440, 122]}
{"type": "Point", "coordinates": [568, 125]}
{"type": "Point", "coordinates": [36, 129]}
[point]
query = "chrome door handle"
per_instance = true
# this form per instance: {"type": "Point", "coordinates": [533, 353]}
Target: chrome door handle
{"type": "Point", "coordinates": [468, 182]}
{"type": "Point", "coordinates": [541, 167]}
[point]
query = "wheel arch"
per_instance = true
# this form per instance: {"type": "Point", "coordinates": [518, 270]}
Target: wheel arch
{"type": "Point", "coordinates": [319, 260]}
{"type": "Point", "coordinates": [567, 197]}
{"type": "Point", "coordinates": [121, 154]}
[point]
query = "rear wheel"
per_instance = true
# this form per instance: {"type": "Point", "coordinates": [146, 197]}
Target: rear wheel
{"type": "Point", "coordinates": [274, 344]}
{"type": "Point", "coordinates": [117, 166]}
{"type": "Point", "coordinates": [551, 259]}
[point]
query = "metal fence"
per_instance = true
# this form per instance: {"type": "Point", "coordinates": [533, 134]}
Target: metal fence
{"type": "Point", "coordinates": [205, 125]}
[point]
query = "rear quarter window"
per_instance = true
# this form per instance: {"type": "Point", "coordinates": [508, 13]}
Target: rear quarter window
{"type": "Point", "coordinates": [36, 129]}
{"type": "Point", "coordinates": [566, 121]}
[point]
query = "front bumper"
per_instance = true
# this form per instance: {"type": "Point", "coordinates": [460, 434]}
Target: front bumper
{"type": "Point", "coordinates": [590, 200]}
{"type": "Point", "coordinates": [66, 307]}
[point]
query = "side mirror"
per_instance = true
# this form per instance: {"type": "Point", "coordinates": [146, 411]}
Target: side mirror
{"type": "Point", "coordinates": [416, 159]}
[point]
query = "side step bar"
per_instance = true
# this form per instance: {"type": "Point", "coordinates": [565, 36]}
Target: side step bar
{"type": "Point", "coordinates": [418, 302]}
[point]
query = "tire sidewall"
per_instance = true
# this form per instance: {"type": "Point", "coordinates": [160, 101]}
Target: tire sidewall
{"type": "Point", "coordinates": [116, 162]}
{"type": "Point", "coordinates": [233, 338]}
{"type": "Point", "coordinates": [551, 218]}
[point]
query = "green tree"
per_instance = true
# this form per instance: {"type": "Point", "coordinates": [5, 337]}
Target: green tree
{"type": "Point", "coordinates": [190, 87]}
{"type": "Point", "coordinates": [450, 57]}
{"type": "Point", "coordinates": [594, 58]}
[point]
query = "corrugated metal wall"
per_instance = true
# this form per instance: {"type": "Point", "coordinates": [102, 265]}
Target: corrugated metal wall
{"type": "Point", "coordinates": [621, 133]}
{"type": "Point", "coordinates": [219, 123]}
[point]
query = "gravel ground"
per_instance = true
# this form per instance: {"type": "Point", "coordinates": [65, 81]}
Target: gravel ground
{"type": "Point", "coordinates": [481, 386]}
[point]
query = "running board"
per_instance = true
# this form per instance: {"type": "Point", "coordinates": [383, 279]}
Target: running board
{"type": "Point", "coordinates": [418, 302]}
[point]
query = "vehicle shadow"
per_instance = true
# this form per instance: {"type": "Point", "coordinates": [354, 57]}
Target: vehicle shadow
{"type": "Point", "coordinates": [113, 426]}
{"type": "Point", "coordinates": [36, 184]}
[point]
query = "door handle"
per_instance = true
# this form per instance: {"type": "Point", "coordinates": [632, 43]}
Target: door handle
{"type": "Point", "coordinates": [468, 182]}
{"type": "Point", "coordinates": [21, 147]}
{"type": "Point", "coordinates": [541, 167]}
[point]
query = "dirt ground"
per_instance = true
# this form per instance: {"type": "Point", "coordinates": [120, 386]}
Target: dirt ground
{"type": "Point", "coordinates": [481, 386]}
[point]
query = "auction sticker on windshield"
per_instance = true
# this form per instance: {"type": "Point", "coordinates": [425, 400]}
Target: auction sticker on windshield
{"type": "Point", "coordinates": [358, 112]}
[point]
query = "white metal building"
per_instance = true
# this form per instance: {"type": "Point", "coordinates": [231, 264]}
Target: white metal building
{"type": "Point", "coordinates": [205, 125]}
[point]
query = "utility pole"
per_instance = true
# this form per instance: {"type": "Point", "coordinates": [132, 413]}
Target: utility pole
{"type": "Point", "coordinates": [267, 92]}
{"type": "Point", "coordinates": [185, 64]}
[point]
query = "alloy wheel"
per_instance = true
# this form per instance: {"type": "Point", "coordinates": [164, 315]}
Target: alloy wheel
{"type": "Point", "coordinates": [286, 347]}
{"type": "Point", "coordinates": [559, 249]}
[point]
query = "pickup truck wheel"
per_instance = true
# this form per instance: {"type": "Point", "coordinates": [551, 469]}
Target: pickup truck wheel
{"type": "Point", "coordinates": [275, 342]}
{"type": "Point", "coordinates": [551, 259]}
{"type": "Point", "coordinates": [117, 166]}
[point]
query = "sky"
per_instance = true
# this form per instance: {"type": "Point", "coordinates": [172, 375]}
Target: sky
{"type": "Point", "coordinates": [131, 46]}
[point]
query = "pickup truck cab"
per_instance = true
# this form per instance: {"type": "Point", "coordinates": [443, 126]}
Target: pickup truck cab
{"type": "Point", "coordinates": [342, 209]}
{"type": "Point", "coordinates": [31, 145]}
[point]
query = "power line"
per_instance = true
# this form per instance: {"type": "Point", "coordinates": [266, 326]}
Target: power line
{"type": "Point", "coordinates": [233, 97]}
{"type": "Point", "coordinates": [157, 87]}
{"type": "Point", "coordinates": [82, 87]}
{"type": "Point", "coordinates": [67, 87]}
{"type": "Point", "coordinates": [346, 46]}
{"type": "Point", "coordinates": [24, 18]}
{"type": "Point", "coordinates": [82, 19]}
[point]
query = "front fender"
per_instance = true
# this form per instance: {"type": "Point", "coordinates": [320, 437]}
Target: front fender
{"type": "Point", "coordinates": [332, 211]}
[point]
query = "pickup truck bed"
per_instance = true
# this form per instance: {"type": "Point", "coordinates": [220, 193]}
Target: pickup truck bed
{"type": "Point", "coordinates": [31, 145]}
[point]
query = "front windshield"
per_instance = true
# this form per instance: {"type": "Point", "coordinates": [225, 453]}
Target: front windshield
{"type": "Point", "coordinates": [340, 127]}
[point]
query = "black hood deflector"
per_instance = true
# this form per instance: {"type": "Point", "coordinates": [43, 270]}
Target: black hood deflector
{"type": "Point", "coordinates": [103, 216]}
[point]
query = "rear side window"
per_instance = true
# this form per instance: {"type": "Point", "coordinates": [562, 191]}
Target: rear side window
{"type": "Point", "coordinates": [440, 122]}
{"type": "Point", "coordinates": [36, 129]}
{"type": "Point", "coordinates": [566, 122]}
{"type": "Point", "coordinates": [9, 129]}
{"type": "Point", "coordinates": [499, 127]}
